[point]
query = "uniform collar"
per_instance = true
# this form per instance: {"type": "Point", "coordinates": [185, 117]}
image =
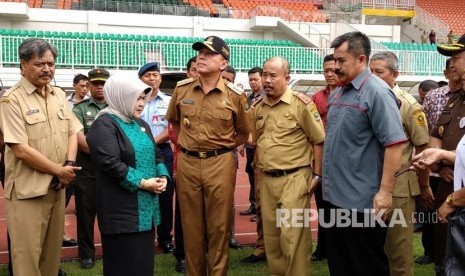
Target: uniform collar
{"type": "Point", "coordinates": [220, 85]}
{"type": "Point", "coordinates": [286, 98]}
{"type": "Point", "coordinates": [361, 78]}
{"type": "Point", "coordinates": [397, 89]}
{"type": "Point", "coordinates": [259, 94]}
{"type": "Point", "coordinates": [92, 101]}
{"type": "Point", "coordinates": [30, 88]}
{"type": "Point", "coordinates": [158, 96]}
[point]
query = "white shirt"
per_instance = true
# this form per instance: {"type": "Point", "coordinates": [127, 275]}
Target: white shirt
{"type": "Point", "coordinates": [459, 168]}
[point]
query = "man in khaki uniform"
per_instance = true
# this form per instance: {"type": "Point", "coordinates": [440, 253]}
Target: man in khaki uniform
{"type": "Point", "coordinates": [399, 239]}
{"type": "Point", "coordinates": [40, 133]}
{"type": "Point", "coordinates": [210, 118]}
{"type": "Point", "coordinates": [289, 135]}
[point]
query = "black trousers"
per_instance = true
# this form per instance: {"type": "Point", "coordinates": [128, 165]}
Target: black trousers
{"type": "Point", "coordinates": [165, 199]}
{"type": "Point", "coordinates": [321, 207]}
{"type": "Point", "coordinates": [427, 236]}
{"type": "Point", "coordinates": [69, 191]}
{"type": "Point", "coordinates": [356, 250]}
{"type": "Point", "coordinates": [178, 252]}
{"type": "Point", "coordinates": [250, 172]}
{"type": "Point", "coordinates": [440, 229]}
{"type": "Point", "coordinates": [129, 254]}
{"type": "Point", "coordinates": [84, 191]}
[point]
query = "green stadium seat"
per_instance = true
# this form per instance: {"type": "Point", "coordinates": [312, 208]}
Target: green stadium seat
{"type": "Point", "coordinates": [136, 7]}
{"type": "Point", "coordinates": [111, 6]}
{"type": "Point", "coordinates": [147, 8]}
{"type": "Point", "coordinates": [99, 5]}
{"type": "Point", "coordinates": [129, 51]}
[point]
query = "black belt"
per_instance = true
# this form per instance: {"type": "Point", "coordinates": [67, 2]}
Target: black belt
{"type": "Point", "coordinates": [279, 173]}
{"type": "Point", "coordinates": [205, 154]}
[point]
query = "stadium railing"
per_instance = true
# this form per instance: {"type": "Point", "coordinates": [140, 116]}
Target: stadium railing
{"type": "Point", "coordinates": [129, 52]}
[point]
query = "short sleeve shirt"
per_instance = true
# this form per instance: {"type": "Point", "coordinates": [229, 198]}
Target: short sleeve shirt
{"type": "Point", "coordinates": [208, 121]}
{"type": "Point", "coordinates": [155, 111]}
{"type": "Point", "coordinates": [416, 130]}
{"type": "Point", "coordinates": [459, 168]}
{"type": "Point", "coordinates": [286, 131]}
{"type": "Point", "coordinates": [363, 119]}
{"type": "Point", "coordinates": [43, 123]}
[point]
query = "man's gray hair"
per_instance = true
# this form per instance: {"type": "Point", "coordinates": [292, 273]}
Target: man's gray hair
{"type": "Point", "coordinates": [35, 46]}
{"type": "Point", "coordinates": [392, 62]}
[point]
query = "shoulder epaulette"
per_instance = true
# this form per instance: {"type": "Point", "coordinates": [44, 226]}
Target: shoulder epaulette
{"type": "Point", "coordinates": [257, 101]}
{"type": "Point", "coordinates": [306, 100]}
{"type": "Point", "coordinates": [410, 98]}
{"type": "Point", "coordinates": [4, 94]}
{"type": "Point", "coordinates": [185, 81]}
{"type": "Point", "coordinates": [4, 99]}
{"type": "Point", "coordinates": [234, 88]}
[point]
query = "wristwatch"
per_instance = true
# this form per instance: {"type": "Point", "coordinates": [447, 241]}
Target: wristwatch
{"type": "Point", "coordinates": [449, 200]}
{"type": "Point", "coordinates": [317, 177]}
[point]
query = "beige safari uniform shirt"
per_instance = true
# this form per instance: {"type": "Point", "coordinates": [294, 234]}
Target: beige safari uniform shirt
{"type": "Point", "coordinates": [416, 130]}
{"type": "Point", "coordinates": [208, 121]}
{"type": "Point", "coordinates": [26, 117]}
{"type": "Point", "coordinates": [285, 132]}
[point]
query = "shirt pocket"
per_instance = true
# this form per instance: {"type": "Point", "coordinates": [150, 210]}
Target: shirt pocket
{"type": "Point", "coordinates": [187, 111]}
{"type": "Point", "coordinates": [443, 122]}
{"type": "Point", "coordinates": [222, 120]}
{"type": "Point", "coordinates": [445, 118]}
{"type": "Point", "coordinates": [63, 119]}
{"type": "Point", "coordinates": [36, 126]}
{"type": "Point", "coordinates": [284, 128]}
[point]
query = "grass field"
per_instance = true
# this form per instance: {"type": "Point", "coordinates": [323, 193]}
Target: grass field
{"type": "Point", "coordinates": [164, 265]}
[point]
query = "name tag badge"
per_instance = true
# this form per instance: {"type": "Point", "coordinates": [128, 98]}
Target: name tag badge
{"type": "Point", "coordinates": [462, 122]}
{"type": "Point", "coordinates": [33, 111]}
{"type": "Point", "coordinates": [154, 119]}
{"type": "Point", "coordinates": [190, 102]}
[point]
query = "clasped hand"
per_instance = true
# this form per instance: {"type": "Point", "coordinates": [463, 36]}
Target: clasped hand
{"type": "Point", "coordinates": [67, 175]}
{"type": "Point", "coordinates": [155, 185]}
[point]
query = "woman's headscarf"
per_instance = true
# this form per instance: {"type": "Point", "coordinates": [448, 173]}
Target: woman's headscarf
{"type": "Point", "coordinates": [121, 93]}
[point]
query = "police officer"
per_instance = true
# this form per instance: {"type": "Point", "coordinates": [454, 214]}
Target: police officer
{"type": "Point", "coordinates": [40, 136]}
{"type": "Point", "coordinates": [85, 186]}
{"type": "Point", "coordinates": [399, 239]}
{"type": "Point", "coordinates": [449, 130]}
{"type": "Point", "coordinates": [289, 135]}
{"type": "Point", "coordinates": [210, 117]}
{"type": "Point", "coordinates": [154, 114]}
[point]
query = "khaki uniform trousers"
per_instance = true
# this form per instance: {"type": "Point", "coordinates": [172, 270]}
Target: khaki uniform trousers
{"type": "Point", "coordinates": [206, 194]}
{"type": "Point", "coordinates": [288, 249]}
{"type": "Point", "coordinates": [260, 245]}
{"type": "Point", "coordinates": [399, 239]}
{"type": "Point", "coordinates": [36, 228]}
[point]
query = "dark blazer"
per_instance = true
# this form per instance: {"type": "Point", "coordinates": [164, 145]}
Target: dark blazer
{"type": "Point", "coordinates": [113, 153]}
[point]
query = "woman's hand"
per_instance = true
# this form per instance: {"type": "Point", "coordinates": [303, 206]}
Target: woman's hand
{"type": "Point", "coordinates": [161, 183]}
{"type": "Point", "coordinates": [155, 185]}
